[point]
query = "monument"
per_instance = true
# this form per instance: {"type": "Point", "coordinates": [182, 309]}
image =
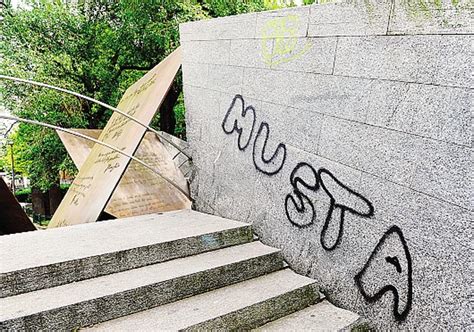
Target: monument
{"type": "Point", "coordinates": [101, 172]}
{"type": "Point", "coordinates": [139, 191]}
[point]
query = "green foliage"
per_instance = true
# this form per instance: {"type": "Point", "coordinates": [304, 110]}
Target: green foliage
{"type": "Point", "coordinates": [21, 163]}
{"type": "Point", "coordinates": [277, 4]}
{"type": "Point", "coordinates": [411, 5]}
{"type": "Point", "coordinates": [98, 48]}
{"type": "Point", "coordinates": [3, 152]}
{"type": "Point", "coordinates": [23, 195]}
{"type": "Point", "coordinates": [216, 8]}
{"type": "Point", "coordinates": [180, 111]}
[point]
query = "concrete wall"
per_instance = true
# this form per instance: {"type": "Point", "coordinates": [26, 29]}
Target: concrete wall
{"type": "Point", "coordinates": [343, 132]}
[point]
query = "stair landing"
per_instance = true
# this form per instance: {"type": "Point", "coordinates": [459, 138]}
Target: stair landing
{"type": "Point", "coordinates": [181, 270]}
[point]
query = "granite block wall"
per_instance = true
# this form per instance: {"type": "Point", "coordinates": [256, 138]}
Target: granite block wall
{"type": "Point", "coordinates": [343, 132]}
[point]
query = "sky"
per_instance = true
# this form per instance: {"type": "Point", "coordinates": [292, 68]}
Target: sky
{"type": "Point", "coordinates": [15, 3]}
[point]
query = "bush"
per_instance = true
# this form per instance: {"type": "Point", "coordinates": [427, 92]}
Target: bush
{"type": "Point", "coordinates": [23, 195]}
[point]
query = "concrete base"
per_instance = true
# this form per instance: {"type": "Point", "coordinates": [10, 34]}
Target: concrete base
{"type": "Point", "coordinates": [177, 271]}
{"type": "Point", "coordinates": [103, 298]}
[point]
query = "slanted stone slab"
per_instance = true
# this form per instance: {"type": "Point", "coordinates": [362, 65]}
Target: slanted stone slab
{"type": "Point", "coordinates": [12, 217]}
{"type": "Point", "coordinates": [140, 191]}
{"type": "Point", "coordinates": [94, 184]}
{"type": "Point", "coordinates": [87, 251]}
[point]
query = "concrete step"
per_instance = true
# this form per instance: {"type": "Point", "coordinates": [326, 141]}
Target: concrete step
{"type": "Point", "coordinates": [322, 317]}
{"type": "Point", "coordinates": [39, 260]}
{"type": "Point", "coordinates": [108, 297]}
{"type": "Point", "coordinates": [242, 306]}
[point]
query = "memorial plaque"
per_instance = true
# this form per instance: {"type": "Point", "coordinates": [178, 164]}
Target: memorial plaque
{"type": "Point", "coordinates": [140, 191]}
{"type": "Point", "coordinates": [12, 217]}
{"type": "Point", "coordinates": [101, 172]}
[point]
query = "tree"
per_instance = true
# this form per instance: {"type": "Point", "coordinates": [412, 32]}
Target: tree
{"type": "Point", "coordinates": [22, 164]}
{"type": "Point", "coordinates": [2, 157]}
{"type": "Point", "coordinates": [94, 47]}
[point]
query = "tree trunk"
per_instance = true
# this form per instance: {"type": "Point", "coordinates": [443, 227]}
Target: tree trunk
{"type": "Point", "coordinates": [167, 117]}
{"type": "Point", "coordinates": [55, 198]}
{"type": "Point", "coordinates": [38, 202]}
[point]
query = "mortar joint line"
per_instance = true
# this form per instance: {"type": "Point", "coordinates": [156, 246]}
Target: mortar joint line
{"type": "Point", "coordinates": [341, 118]}
{"type": "Point", "coordinates": [335, 55]}
{"type": "Point", "coordinates": [390, 15]}
{"type": "Point", "coordinates": [308, 21]}
{"type": "Point", "coordinates": [345, 76]}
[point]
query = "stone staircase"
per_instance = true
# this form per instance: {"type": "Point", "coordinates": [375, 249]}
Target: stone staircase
{"type": "Point", "coordinates": [179, 270]}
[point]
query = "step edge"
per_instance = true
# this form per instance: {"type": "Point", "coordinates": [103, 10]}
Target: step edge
{"type": "Point", "coordinates": [215, 294]}
{"type": "Point", "coordinates": [310, 287]}
{"type": "Point", "coordinates": [111, 223]}
{"type": "Point", "coordinates": [273, 255]}
{"type": "Point", "coordinates": [128, 248]}
{"type": "Point", "coordinates": [49, 236]}
{"type": "Point", "coordinates": [244, 232]}
{"type": "Point", "coordinates": [335, 310]}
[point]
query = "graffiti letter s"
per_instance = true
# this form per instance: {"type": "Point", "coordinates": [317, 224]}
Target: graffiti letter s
{"type": "Point", "coordinates": [302, 201]}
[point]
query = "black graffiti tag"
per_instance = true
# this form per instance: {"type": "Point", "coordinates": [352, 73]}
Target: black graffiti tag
{"type": "Point", "coordinates": [404, 270]}
{"type": "Point", "coordinates": [272, 165]}
{"type": "Point", "coordinates": [341, 209]}
{"type": "Point", "coordinates": [245, 135]}
{"type": "Point", "coordinates": [301, 202]}
{"type": "Point", "coordinates": [301, 212]}
{"type": "Point", "coordinates": [267, 165]}
{"type": "Point", "coordinates": [324, 179]}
